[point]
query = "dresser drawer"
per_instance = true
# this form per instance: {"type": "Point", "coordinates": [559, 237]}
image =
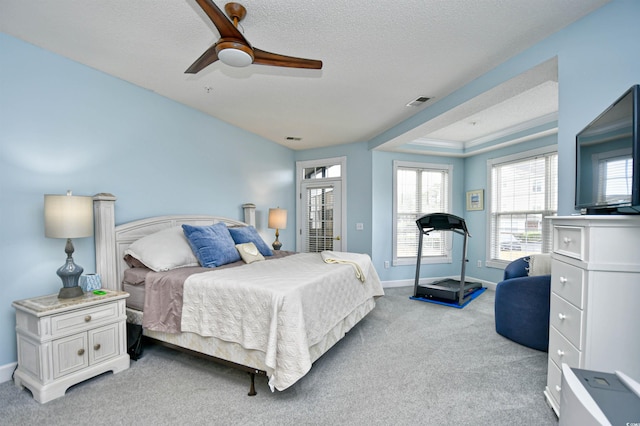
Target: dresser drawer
{"type": "Point", "coordinates": [554, 380]}
{"type": "Point", "coordinates": [83, 319]}
{"type": "Point", "coordinates": [567, 319]}
{"type": "Point", "coordinates": [568, 240]}
{"type": "Point", "coordinates": [568, 282]}
{"type": "Point", "coordinates": [561, 350]}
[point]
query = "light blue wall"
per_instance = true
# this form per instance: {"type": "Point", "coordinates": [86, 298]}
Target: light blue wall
{"type": "Point", "coordinates": [358, 190]}
{"type": "Point", "coordinates": [66, 126]}
{"type": "Point", "coordinates": [383, 216]}
{"type": "Point", "coordinates": [476, 178]}
{"type": "Point", "coordinates": [598, 62]}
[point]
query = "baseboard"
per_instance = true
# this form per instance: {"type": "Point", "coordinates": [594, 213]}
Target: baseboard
{"type": "Point", "coordinates": [6, 371]}
{"type": "Point", "coordinates": [397, 283]}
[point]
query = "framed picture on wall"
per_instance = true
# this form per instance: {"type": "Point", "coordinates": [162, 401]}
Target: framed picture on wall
{"type": "Point", "coordinates": [475, 199]}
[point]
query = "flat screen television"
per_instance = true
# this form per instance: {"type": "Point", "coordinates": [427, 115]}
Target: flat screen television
{"type": "Point", "coordinates": [608, 159]}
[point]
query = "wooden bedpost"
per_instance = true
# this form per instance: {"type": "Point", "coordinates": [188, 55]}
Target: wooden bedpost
{"type": "Point", "coordinates": [105, 239]}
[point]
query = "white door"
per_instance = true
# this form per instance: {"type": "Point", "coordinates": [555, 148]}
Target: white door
{"type": "Point", "coordinates": [321, 218]}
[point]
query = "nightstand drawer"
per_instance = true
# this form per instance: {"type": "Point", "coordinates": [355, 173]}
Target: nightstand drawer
{"type": "Point", "coordinates": [567, 319]}
{"type": "Point", "coordinates": [568, 281]}
{"type": "Point", "coordinates": [568, 240]}
{"type": "Point", "coordinates": [83, 319]}
{"type": "Point", "coordinates": [561, 350]}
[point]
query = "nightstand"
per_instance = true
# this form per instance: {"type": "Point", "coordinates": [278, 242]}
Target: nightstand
{"type": "Point", "coordinates": [62, 342]}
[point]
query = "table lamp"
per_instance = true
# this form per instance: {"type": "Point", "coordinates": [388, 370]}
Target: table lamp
{"type": "Point", "coordinates": [68, 216]}
{"type": "Point", "coordinates": [277, 221]}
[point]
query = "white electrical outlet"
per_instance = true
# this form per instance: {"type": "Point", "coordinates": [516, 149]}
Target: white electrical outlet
{"type": "Point", "coordinates": [479, 263]}
{"type": "Point", "coordinates": [359, 226]}
{"type": "Point", "coordinates": [386, 264]}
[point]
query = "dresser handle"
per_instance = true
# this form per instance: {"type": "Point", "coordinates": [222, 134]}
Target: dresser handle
{"type": "Point", "coordinates": [562, 316]}
{"type": "Point", "coordinates": [87, 318]}
{"type": "Point", "coordinates": [563, 280]}
{"type": "Point", "coordinates": [80, 352]}
{"type": "Point", "coordinates": [560, 353]}
{"type": "Point", "coordinates": [96, 347]}
{"type": "Point", "coordinates": [558, 388]}
{"type": "Point", "coordinates": [566, 240]}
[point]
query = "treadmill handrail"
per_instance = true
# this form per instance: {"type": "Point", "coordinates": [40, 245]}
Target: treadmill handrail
{"type": "Point", "coordinates": [441, 222]}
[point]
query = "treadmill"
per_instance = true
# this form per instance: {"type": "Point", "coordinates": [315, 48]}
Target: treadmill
{"type": "Point", "coordinates": [447, 290]}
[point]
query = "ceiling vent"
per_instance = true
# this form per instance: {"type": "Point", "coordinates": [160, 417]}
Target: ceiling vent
{"type": "Point", "coordinates": [418, 101]}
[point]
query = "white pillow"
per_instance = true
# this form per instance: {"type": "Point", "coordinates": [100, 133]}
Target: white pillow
{"type": "Point", "coordinates": [249, 252]}
{"type": "Point", "coordinates": [539, 264]}
{"type": "Point", "coordinates": [164, 250]}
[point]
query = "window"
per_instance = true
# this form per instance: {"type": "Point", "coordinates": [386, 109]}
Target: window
{"type": "Point", "coordinates": [614, 176]}
{"type": "Point", "coordinates": [322, 172]}
{"type": "Point", "coordinates": [523, 192]}
{"type": "Point", "coordinates": [419, 189]}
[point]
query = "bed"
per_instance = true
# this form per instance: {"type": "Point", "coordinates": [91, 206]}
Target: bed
{"type": "Point", "coordinates": [271, 315]}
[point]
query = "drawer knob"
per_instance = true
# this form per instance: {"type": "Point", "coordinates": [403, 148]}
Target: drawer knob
{"type": "Point", "coordinates": [96, 347]}
{"type": "Point", "coordinates": [558, 388]}
{"type": "Point", "coordinates": [560, 353]}
{"type": "Point", "coordinates": [566, 240]}
{"type": "Point", "coordinates": [563, 280]}
{"type": "Point", "coordinates": [87, 318]}
{"type": "Point", "coordinates": [562, 316]}
{"type": "Point", "coordinates": [80, 352]}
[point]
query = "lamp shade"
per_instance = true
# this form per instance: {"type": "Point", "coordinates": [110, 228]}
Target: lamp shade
{"type": "Point", "coordinates": [277, 218]}
{"type": "Point", "coordinates": [68, 216]}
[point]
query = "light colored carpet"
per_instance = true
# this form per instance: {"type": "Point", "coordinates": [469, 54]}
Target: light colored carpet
{"type": "Point", "coordinates": [406, 363]}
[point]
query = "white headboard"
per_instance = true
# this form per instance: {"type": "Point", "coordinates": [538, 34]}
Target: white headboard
{"type": "Point", "coordinates": [112, 241]}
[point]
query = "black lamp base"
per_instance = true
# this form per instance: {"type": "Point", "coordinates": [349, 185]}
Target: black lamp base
{"type": "Point", "coordinates": [70, 292]}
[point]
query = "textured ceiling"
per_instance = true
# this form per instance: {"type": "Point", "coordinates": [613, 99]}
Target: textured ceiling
{"type": "Point", "coordinates": [378, 56]}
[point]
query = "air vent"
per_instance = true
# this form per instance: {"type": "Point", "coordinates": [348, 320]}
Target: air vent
{"type": "Point", "coordinates": [418, 101]}
{"type": "Point", "coordinates": [293, 138]}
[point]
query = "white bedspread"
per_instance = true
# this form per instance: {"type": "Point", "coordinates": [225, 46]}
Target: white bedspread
{"type": "Point", "coordinates": [280, 307]}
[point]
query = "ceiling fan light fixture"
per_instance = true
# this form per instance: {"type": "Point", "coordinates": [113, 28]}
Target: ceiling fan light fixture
{"type": "Point", "coordinates": [234, 54]}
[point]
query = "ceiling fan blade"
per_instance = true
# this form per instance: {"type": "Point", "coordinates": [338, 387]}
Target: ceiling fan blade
{"type": "Point", "coordinates": [223, 24]}
{"type": "Point", "coordinates": [206, 59]}
{"type": "Point", "coordinates": [266, 58]}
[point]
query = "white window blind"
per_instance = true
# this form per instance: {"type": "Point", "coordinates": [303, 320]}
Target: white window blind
{"type": "Point", "coordinates": [319, 219]}
{"type": "Point", "coordinates": [419, 189]}
{"type": "Point", "coordinates": [523, 192]}
{"type": "Point", "coordinates": [614, 179]}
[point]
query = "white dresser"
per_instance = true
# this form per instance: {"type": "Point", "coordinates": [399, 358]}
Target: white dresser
{"type": "Point", "coordinates": [62, 342]}
{"type": "Point", "coordinates": [595, 298]}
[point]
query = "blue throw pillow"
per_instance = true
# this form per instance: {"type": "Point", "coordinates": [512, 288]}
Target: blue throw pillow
{"type": "Point", "coordinates": [212, 245]}
{"type": "Point", "coordinates": [249, 234]}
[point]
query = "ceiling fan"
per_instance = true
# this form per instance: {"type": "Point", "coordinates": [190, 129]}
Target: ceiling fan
{"type": "Point", "coordinates": [233, 49]}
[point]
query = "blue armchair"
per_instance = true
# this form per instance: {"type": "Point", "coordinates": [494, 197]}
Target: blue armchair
{"type": "Point", "coordinates": [522, 306]}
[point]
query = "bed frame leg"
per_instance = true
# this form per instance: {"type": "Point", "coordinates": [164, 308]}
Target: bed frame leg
{"type": "Point", "coordinates": [252, 388]}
